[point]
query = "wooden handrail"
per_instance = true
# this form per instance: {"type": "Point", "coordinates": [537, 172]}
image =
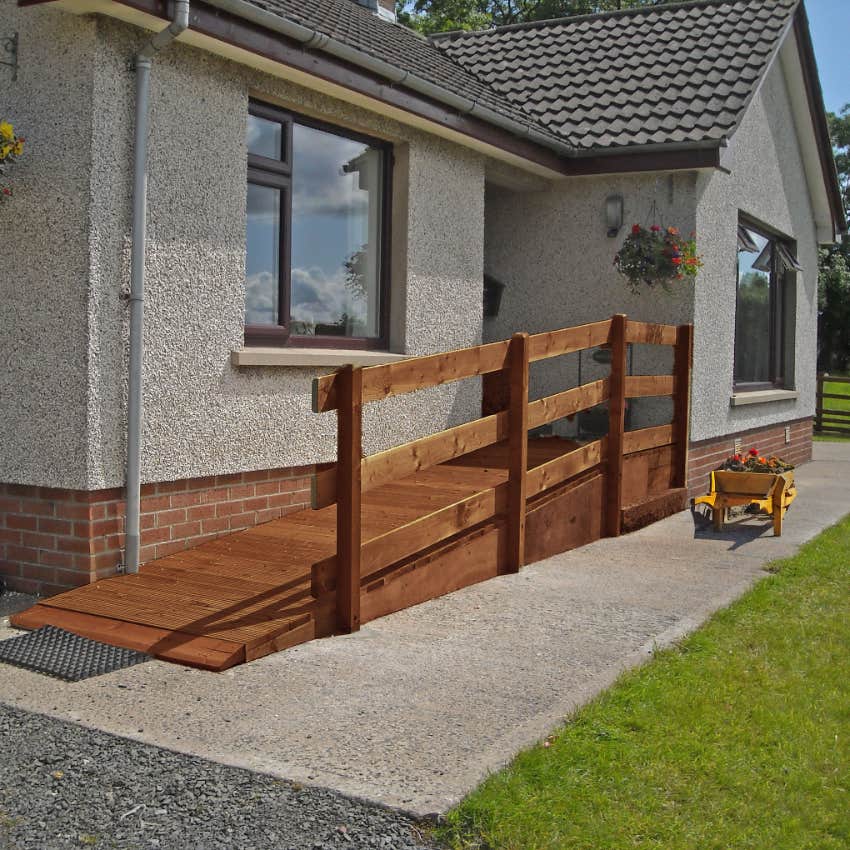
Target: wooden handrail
{"type": "Point", "coordinates": [407, 376]}
{"type": "Point", "coordinates": [417, 373]}
{"type": "Point", "coordinates": [568, 340]}
{"type": "Point", "coordinates": [504, 365]}
{"type": "Point", "coordinates": [566, 403]}
{"type": "Point", "coordinates": [409, 458]}
{"type": "Point", "coordinates": [646, 333]}
{"type": "Point", "coordinates": [645, 386]}
{"type": "Point", "coordinates": [647, 438]}
{"type": "Point", "coordinates": [559, 469]}
{"type": "Point", "coordinates": [389, 548]}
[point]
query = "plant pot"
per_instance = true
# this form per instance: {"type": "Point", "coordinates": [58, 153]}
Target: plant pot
{"type": "Point", "coordinates": [755, 484]}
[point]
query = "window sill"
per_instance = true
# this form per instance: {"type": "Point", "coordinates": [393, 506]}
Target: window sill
{"type": "Point", "coordinates": [762, 397]}
{"type": "Point", "coordinates": [311, 357]}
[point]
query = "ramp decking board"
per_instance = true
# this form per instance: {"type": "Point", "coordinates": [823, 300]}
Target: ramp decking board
{"type": "Point", "coordinates": [248, 594]}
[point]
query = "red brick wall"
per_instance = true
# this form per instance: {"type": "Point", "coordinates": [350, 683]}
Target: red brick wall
{"type": "Point", "coordinates": [707, 455]}
{"type": "Point", "coordinates": [52, 539]}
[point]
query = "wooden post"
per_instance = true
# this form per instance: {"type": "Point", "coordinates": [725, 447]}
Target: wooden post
{"type": "Point", "coordinates": [517, 450]}
{"type": "Point", "coordinates": [682, 363]}
{"type": "Point", "coordinates": [819, 403]}
{"type": "Point", "coordinates": [616, 426]}
{"type": "Point", "coordinates": [349, 447]}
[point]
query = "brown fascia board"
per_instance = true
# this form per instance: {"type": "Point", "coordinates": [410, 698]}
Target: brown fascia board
{"type": "Point", "coordinates": [817, 110]}
{"type": "Point", "coordinates": [246, 35]}
{"type": "Point", "coordinates": [652, 158]}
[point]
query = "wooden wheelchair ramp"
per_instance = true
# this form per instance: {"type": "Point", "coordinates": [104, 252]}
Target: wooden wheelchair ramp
{"type": "Point", "coordinates": [414, 522]}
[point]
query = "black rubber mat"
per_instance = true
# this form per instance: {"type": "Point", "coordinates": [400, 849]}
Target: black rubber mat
{"type": "Point", "coordinates": [67, 656]}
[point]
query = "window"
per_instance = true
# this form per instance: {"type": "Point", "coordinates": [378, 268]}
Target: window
{"type": "Point", "coordinates": [316, 237]}
{"type": "Point", "coordinates": [763, 337]}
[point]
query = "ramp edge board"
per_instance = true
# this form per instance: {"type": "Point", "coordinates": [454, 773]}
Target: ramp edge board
{"type": "Point", "coordinates": [180, 647]}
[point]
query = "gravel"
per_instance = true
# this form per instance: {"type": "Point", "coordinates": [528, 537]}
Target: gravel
{"type": "Point", "coordinates": [11, 603]}
{"type": "Point", "coordinates": [66, 786]}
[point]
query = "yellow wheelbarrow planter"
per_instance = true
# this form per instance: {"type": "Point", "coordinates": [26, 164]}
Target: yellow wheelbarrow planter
{"type": "Point", "coordinates": [771, 493]}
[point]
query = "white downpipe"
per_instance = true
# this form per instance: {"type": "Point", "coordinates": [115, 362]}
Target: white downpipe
{"type": "Point", "coordinates": [135, 408]}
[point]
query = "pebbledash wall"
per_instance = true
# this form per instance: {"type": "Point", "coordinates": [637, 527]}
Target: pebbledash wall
{"type": "Point", "coordinates": [766, 180]}
{"type": "Point", "coordinates": [548, 246]}
{"type": "Point", "coordinates": [66, 258]}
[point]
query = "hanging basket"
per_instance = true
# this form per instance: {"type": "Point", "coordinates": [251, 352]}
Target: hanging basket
{"type": "Point", "coordinates": [657, 256]}
{"type": "Point", "coordinates": [11, 147]}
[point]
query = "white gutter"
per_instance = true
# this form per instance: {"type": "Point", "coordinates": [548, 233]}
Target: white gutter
{"type": "Point", "coordinates": [135, 408]}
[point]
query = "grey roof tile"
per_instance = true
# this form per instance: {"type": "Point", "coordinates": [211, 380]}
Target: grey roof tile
{"type": "Point", "coordinates": [356, 26]}
{"type": "Point", "coordinates": [659, 75]}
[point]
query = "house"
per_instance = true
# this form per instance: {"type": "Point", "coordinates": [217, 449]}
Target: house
{"type": "Point", "coordinates": [325, 187]}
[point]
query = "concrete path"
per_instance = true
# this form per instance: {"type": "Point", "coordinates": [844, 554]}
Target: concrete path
{"type": "Point", "coordinates": [418, 707]}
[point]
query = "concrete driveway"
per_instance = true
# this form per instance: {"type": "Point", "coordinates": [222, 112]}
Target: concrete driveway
{"type": "Point", "coordinates": [416, 709]}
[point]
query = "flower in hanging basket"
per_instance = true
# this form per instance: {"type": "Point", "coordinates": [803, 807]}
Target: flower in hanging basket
{"type": "Point", "coordinates": [656, 256]}
{"type": "Point", "coordinates": [11, 147]}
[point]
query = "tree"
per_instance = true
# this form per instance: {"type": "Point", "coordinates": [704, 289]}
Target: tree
{"type": "Point", "coordinates": [834, 310]}
{"type": "Point", "coordinates": [839, 131]}
{"type": "Point", "coordinates": [431, 16]}
{"type": "Point", "coordinates": [834, 265]}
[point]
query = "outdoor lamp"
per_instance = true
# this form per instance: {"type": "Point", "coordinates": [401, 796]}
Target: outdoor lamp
{"type": "Point", "coordinates": [614, 214]}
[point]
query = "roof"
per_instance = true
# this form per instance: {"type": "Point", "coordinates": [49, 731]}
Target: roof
{"type": "Point", "coordinates": [358, 27]}
{"type": "Point", "coordinates": [672, 74]}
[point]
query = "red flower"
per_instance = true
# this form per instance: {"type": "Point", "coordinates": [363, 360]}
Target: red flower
{"type": "Point", "coordinates": [655, 228]}
{"type": "Point", "coordinates": [754, 452]}
{"type": "Point", "coordinates": [736, 457]}
{"type": "Point", "coordinates": [677, 261]}
{"type": "Point", "coordinates": [635, 229]}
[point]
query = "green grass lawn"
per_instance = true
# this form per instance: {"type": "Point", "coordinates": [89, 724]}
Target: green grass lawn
{"type": "Point", "coordinates": [737, 738]}
{"type": "Point", "coordinates": [839, 389]}
{"type": "Point", "coordinates": [835, 404]}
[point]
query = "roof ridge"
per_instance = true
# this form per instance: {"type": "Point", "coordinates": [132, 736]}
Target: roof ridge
{"type": "Point", "coordinates": [572, 19]}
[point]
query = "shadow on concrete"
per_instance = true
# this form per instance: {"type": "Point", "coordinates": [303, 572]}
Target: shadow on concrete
{"type": "Point", "coordinates": [738, 531]}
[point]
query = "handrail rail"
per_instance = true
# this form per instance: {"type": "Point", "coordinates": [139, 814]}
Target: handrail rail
{"type": "Point", "coordinates": [349, 388]}
{"type": "Point", "coordinates": [405, 376]}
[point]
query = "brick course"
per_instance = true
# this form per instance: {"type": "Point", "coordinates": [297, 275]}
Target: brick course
{"type": "Point", "coordinates": [52, 539]}
{"type": "Point", "coordinates": [707, 455]}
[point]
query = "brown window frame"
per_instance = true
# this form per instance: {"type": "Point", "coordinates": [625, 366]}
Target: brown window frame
{"type": "Point", "coordinates": [777, 307]}
{"type": "Point", "coordinates": [278, 174]}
